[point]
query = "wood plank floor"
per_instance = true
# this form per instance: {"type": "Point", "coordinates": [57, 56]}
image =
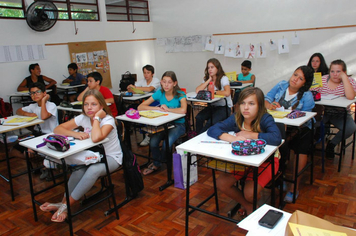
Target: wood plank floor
{"type": "Point", "coordinates": [332, 197]}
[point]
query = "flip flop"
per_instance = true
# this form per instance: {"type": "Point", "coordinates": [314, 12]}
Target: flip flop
{"type": "Point", "coordinates": [61, 210]}
{"type": "Point", "coordinates": [150, 169]}
{"type": "Point", "coordinates": [44, 207]}
{"type": "Point", "coordinates": [241, 212]}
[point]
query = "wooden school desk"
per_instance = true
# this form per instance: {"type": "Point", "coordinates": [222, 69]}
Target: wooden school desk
{"type": "Point", "coordinates": [221, 152]}
{"type": "Point", "coordinates": [155, 122]}
{"type": "Point", "coordinates": [344, 103]}
{"type": "Point", "coordinates": [4, 129]}
{"type": "Point", "coordinates": [80, 145]}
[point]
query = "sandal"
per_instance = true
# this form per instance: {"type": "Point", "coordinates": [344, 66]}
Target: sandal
{"type": "Point", "coordinates": [241, 212]}
{"type": "Point", "coordinates": [61, 210]}
{"type": "Point", "coordinates": [47, 207]}
{"type": "Point", "coordinates": [150, 169]}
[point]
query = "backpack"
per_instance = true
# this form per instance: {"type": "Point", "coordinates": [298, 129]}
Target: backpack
{"type": "Point", "coordinates": [126, 80]}
{"type": "Point", "coordinates": [133, 177]}
{"type": "Point", "coordinates": [5, 108]}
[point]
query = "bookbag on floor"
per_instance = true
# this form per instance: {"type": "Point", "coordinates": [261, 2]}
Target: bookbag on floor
{"type": "Point", "coordinates": [5, 108]}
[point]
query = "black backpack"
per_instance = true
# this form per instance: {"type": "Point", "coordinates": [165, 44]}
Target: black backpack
{"type": "Point", "coordinates": [126, 80]}
{"type": "Point", "coordinates": [133, 177]}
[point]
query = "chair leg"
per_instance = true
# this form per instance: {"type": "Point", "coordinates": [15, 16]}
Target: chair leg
{"type": "Point", "coordinates": [215, 191]}
{"type": "Point", "coordinates": [295, 180]}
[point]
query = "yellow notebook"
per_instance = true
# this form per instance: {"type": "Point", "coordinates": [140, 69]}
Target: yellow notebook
{"type": "Point", "coordinates": [231, 75]}
{"type": "Point", "coordinates": [65, 84]}
{"type": "Point", "coordinates": [135, 90]}
{"type": "Point", "coordinates": [218, 96]}
{"type": "Point", "coordinates": [19, 120]}
{"type": "Point", "coordinates": [317, 81]}
{"type": "Point", "coordinates": [225, 166]}
{"type": "Point", "coordinates": [151, 114]}
{"type": "Point", "coordinates": [278, 114]}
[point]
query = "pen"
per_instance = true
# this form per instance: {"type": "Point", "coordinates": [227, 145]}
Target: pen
{"type": "Point", "coordinates": [65, 76]}
{"type": "Point", "coordinates": [217, 142]}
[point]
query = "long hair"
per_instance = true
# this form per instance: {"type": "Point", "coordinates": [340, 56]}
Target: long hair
{"type": "Point", "coordinates": [177, 92]}
{"type": "Point", "coordinates": [99, 97]}
{"type": "Point", "coordinates": [323, 68]}
{"type": "Point", "coordinates": [219, 74]}
{"type": "Point", "coordinates": [308, 76]}
{"type": "Point", "coordinates": [255, 124]}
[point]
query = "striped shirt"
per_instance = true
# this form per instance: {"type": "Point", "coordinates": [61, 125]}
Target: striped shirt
{"type": "Point", "coordinates": [339, 90]}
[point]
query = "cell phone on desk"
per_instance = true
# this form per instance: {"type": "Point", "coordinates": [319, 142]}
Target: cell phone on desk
{"type": "Point", "coordinates": [270, 219]}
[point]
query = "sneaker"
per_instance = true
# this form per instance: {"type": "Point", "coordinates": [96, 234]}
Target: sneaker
{"type": "Point", "coordinates": [145, 141]}
{"type": "Point", "coordinates": [289, 197]}
{"type": "Point", "coordinates": [44, 173]}
{"type": "Point", "coordinates": [330, 151]}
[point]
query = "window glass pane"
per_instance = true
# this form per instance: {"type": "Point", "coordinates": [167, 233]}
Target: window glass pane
{"type": "Point", "coordinates": [63, 15]}
{"type": "Point", "coordinates": [137, 4]}
{"type": "Point", "coordinates": [84, 1]}
{"type": "Point", "coordinates": [139, 18]}
{"type": "Point", "coordinates": [12, 3]}
{"type": "Point", "coordinates": [85, 8]}
{"type": "Point", "coordinates": [13, 8]}
{"type": "Point", "coordinates": [84, 16]}
{"type": "Point", "coordinates": [61, 6]}
{"type": "Point", "coordinates": [4, 12]}
{"type": "Point", "coordinates": [78, 11]}
{"type": "Point", "coordinates": [138, 11]}
{"type": "Point", "coordinates": [115, 2]}
{"type": "Point", "coordinates": [117, 17]}
{"type": "Point", "coordinates": [116, 9]}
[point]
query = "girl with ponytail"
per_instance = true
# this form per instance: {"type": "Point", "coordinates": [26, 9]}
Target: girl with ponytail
{"type": "Point", "coordinates": [295, 95]}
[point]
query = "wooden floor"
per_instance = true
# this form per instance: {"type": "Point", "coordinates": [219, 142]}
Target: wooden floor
{"type": "Point", "coordinates": [332, 197]}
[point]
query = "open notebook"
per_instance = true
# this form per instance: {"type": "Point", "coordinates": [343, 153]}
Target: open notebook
{"type": "Point", "coordinates": [19, 120]}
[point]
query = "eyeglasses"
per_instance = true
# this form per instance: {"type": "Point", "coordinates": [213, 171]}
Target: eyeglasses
{"type": "Point", "coordinates": [36, 92]}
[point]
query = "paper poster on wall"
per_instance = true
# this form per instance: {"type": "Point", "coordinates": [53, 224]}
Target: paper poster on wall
{"type": "Point", "coordinates": [250, 52]}
{"type": "Point", "coordinates": [161, 41]}
{"type": "Point", "coordinates": [209, 44]}
{"type": "Point", "coordinates": [238, 52]}
{"type": "Point", "coordinates": [272, 45]}
{"type": "Point", "coordinates": [295, 39]}
{"type": "Point", "coordinates": [283, 46]}
{"type": "Point", "coordinates": [91, 56]}
{"type": "Point", "coordinates": [22, 53]}
{"type": "Point", "coordinates": [261, 50]}
{"type": "Point", "coordinates": [169, 45]}
{"type": "Point", "coordinates": [219, 47]}
{"type": "Point", "coordinates": [229, 50]}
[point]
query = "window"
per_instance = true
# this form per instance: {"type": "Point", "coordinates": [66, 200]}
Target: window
{"type": "Point", "coordinates": [12, 9]}
{"type": "Point", "coordinates": [127, 10]}
{"type": "Point", "coordinates": [77, 9]}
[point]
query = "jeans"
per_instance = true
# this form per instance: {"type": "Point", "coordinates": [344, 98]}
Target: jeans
{"type": "Point", "coordinates": [173, 134]}
{"type": "Point", "coordinates": [338, 121]}
{"type": "Point", "coordinates": [219, 114]}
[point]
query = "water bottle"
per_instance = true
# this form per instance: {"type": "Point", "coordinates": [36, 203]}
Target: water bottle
{"type": "Point", "coordinates": [211, 89]}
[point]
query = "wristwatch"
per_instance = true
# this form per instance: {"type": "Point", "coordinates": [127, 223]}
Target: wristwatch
{"type": "Point", "coordinates": [98, 118]}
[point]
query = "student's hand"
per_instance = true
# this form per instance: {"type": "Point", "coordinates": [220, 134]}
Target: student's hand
{"type": "Point", "coordinates": [239, 136]}
{"type": "Point", "coordinates": [274, 105]}
{"type": "Point", "coordinates": [210, 79]}
{"type": "Point", "coordinates": [130, 86]}
{"type": "Point", "coordinates": [45, 98]}
{"type": "Point", "coordinates": [344, 76]}
{"type": "Point", "coordinates": [163, 108]}
{"type": "Point", "coordinates": [31, 114]}
{"type": "Point", "coordinates": [81, 135]}
{"type": "Point", "coordinates": [101, 114]}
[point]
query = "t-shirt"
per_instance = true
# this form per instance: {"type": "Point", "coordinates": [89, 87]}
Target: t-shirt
{"type": "Point", "coordinates": [30, 82]}
{"type": "Point", "coordinates": [108, 94]}
{"type": "Point", "coordinates": [77, 80]}
{"type": "Point", "coordinates": [339, 90]}
{"type": "Point", "coordinates": [49, 124]}
{"type": "Point", "coordinates": [154, 83]}
{"type": "Point", "coordinates": [112, 147]}
{"type": "Point", "coordinates": [174, 103]}
{"type": "Point", "coordinates": [241, 77]}
{"type": "Point", "coordinates": [224, 81]}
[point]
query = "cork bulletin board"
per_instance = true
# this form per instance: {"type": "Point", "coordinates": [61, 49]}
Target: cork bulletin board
{"type": "Point", "coordinates": [91, 56]}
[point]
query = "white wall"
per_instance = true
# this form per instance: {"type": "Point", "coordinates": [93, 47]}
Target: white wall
{"type": "Point", "coordinates": [186, 17]}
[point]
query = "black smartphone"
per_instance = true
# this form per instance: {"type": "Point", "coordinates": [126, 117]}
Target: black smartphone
{"type": "Point", "coordinates": [270, 219]}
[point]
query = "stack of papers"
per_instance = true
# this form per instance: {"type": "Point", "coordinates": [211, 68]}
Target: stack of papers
{"type": "Point", "coordinates": [19, 120]}
{"type": "Point", "coordinates": [278, 114]}
{"type": "Point", "coordinates": [151, 114]}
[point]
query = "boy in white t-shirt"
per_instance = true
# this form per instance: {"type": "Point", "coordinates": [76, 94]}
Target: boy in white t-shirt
{"type": "Point", "coordinates": [149, 84]}
{"type": "Point", "coordinates": [44, 110]}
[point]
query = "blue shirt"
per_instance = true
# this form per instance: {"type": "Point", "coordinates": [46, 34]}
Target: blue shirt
{"type": "Point", "coordinates": [174, 103]}
{"type": "Point", "coordinates": [77, 80]}
{"type": "Point", "coordinates": [269, 130]}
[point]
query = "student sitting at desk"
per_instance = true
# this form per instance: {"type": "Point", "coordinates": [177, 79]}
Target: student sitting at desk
{"type": "Point", "coordinates": [251, 121]}
{"type": "Point", "coordinates": [94, 82]}
{"type": "Point", "coordinates": [148, 84]}
{"type": "Point", "coordinates": [244, 77]}
{"type": "Point", "coordinates": [98, 124]}
{"type": "Point", "coordinates": [36, 76]}
{"type": "Point", "coordinates": [337, 82]}
{"type": "Point", "coordinates": [172, 99]}
{"type": "Point", "coordinates": [75, 78]}
{"type": "Point", "coordinates": [317, 62]}
{"type": "Point", "coordinates": [294, 94]}
{"type": "Point", "coordinates": [214, 73]}
{"type": "Point", "coordinates": [44, 110]}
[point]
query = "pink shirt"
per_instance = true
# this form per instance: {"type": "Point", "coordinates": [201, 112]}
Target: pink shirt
{"type": "Point", "coordinates": [339, 90]}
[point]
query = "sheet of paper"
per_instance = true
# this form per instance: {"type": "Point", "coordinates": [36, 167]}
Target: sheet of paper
{"type": "Point", "coordinates": [280, 108]}
{"type": "Point", "coordinates": [329, 96]}
{"type": "Point", "coordinates": [250, 223]}
{"type": "Point", "coordinates": [298, 229]}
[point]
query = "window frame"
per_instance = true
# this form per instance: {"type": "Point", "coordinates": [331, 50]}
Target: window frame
{"type": "Point", "coordinates": [69, 11]}
{"type": "Point", "coordinates": [23, 8]}
{"type": "Point", "coordinates": [127, 13]}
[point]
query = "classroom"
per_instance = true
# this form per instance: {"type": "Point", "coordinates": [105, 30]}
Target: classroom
{"type": "Point", "coordinates": [320, 25]}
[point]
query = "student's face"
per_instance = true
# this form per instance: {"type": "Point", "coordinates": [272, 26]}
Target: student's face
{"type": "Point", "coordinates": [91, 106]}
{"type": "Point", "coordinates": [297, 80]}
{"type": "Point", "coordinates": [36, 71]}
{"type": "Point", "coordinates": [212, 70]}
{"type": "Point", "coordinates": [37, 94]}
{"type": "Point", "coordinates": [315, 63]}
{"type": "Point", "coordinates": [147, 74]}
{"type": "Point", "coordinates": [71, 71]}
{"type": "Point", "coordinates": [249, 107]}
{"type": "Point", "coordinates": [92, 84]}
{"type": "Point", "coordinates": [167, 84]}
{"type": "Point", "coordinates": [245, 70]}
{"type": "Point", "coordinates": [335, 73]}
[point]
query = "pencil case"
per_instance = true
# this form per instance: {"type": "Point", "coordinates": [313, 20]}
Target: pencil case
{"type": "Point", "coordinates": [295, 114]}
{"type": "Point", "coordinates": [248, 147]}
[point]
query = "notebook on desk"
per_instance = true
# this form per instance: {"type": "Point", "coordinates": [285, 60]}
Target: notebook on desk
{"type": "Point", "coordinates": [19, 120]}
{"type": "Point", "coordinates": [329, 96]}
